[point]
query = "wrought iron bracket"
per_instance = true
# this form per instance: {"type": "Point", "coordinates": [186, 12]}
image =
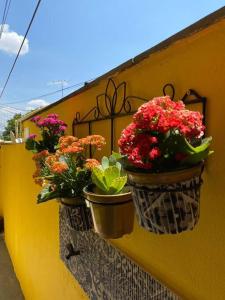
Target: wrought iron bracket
{"type": "Point", "coordinates": [71, 251]}
{"type": "Point", "coordinates": [115, 103]}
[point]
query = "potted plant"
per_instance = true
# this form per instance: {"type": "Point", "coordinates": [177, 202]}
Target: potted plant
{"type": "Point", "coordinates": [51, 129]}
{"type": "Point", "coordinates": [163, 152]}
{"type": "Point", "coordinates": [110, 200]}
{"type": "Point", "coordinates": [67, 172]}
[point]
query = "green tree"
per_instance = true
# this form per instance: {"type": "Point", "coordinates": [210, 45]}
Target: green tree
{"type": "Point", "coordinates": [10, 127]}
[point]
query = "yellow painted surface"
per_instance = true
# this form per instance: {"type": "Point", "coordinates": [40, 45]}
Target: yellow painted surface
{"type": "Point", "coordinates": [32, 232]}
{"type": "Point", "coordinates": [1, 202]}
{"type": "Point", "coordinates": [190, 263]}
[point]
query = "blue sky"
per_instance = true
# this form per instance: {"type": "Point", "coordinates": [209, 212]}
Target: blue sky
{"type": "Point", "coordinates": [80, 40]}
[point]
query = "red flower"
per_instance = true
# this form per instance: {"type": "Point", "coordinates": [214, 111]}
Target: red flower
{"type": "Point", "coordinates": [154, 121]}
{"type": "Point", "coordinates": [154, 153]}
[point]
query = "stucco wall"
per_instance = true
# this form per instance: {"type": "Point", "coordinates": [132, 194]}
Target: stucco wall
{"type": "Point", "coordinates": [190, 263]}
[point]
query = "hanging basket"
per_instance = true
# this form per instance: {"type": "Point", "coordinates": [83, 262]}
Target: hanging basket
{"type": "Point", "coordinates": [113, 215]}
{"type": "Point", "coordinates": [78, 215]}
{"type": "Point", "coordinates": [167, 203]}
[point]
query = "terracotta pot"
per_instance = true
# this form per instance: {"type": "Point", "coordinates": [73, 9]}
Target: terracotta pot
{"type": "Point", "coordinates": [78, 215]}
{"type": "Point", "coordinates": [113, 215]}
{"type": "Point", "coordinates": [167, 203]}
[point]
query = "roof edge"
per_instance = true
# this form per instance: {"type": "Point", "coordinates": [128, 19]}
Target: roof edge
{"type": "Point", "coordinates": [184, 33]}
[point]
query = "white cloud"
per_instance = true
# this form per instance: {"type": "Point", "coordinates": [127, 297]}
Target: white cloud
{"type": "Point", "coordinates": [36, 103]}
{"type": "Point", "coordinates": [10, 41]}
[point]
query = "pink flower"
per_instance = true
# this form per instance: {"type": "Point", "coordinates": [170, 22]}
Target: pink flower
{"type": "Point", "coordinates": [54, 116]}
{"type": "Point", "coordinates": [35, 119]}
{"type": "Point", "coordinates": [40, 123]}
{"type": "Point", "coordinates": [62, 128]}
{"type": "Point", "coordinates": [32, 136]}
{"type": "Point", "coordinates": [153, 139]}
{"type": "Point", "coordinates": [154, 153]}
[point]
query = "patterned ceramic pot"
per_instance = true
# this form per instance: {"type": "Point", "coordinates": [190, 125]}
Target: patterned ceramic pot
{"type": "Point", "coordinates": [167, 203]}
{"type": "Point", "coordinates": [78, 215]}
{"type": "Point", "coordinates": [113, 215]}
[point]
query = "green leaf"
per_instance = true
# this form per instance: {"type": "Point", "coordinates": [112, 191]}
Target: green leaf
{"type": "Point", "coordinates": [117, 185]}
{"type": "Point", "coordinates": [31, 144]}
{"type": "Point", "coordinates": [46, 194]}
{"type": "Point", "coordinates": [98, 179]}
{"type": "Point", "coordinates": [204, 145]}
{"type": "Point", "coordinates": [110, 174]}
{"type": "Point", "coordinates": [119, 166]}
{"type": "Point", "coordinates": [197, 157]}
{"type": "Point", "coordinates": [116, 155]}
{"type": "Point", "coordinates": [105, 162]}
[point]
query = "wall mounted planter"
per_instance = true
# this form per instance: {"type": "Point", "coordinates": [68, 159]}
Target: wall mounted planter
{"type": "Point", "coordinates": [167, 203]}
{"type": "Point", "coordinates": [103, 271]}
{"type": "Point", "coordinates": [113, 215]}
{"type": "Point", "coordinates": [78, 214]}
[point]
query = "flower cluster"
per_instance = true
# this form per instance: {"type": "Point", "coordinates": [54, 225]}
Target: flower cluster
{"type": "Point", "coordinates": [39, 159]}
{"type": "Point", "coordinates": [70, 144]}
{"type": "Point", "coordinates": [69, 169]}
{"type": "Point", "coordinates": [51, 129]}
{"type": "Point", "coordinates": [51, 123]}
{"type": "Point", "coordinates": [151, 140]}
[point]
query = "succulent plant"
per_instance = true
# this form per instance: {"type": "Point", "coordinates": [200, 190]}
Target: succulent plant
{"type": "Point", "coordinates": [109, 177]}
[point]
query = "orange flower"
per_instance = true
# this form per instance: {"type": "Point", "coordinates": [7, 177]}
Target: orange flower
{"type": "Point", "coordinates": [50, 160]}
{"type": "Point", "coordinates": [84, 141]}
{"type": "Point", "coordinates": [91, 163]}
{"type": "Point", "coordinates": [59, 167]}
{"type": "Point", "coordinates": [97, 140]}
{"type": "Point", "coordinates": [66, 141]}
{"type": "Point", "coordinates": [40, 155]}
{"type": "Point", "coordinates": [36, 173]}
{"type": "Point", "coordinates": [94, 140]}
{"type": "Point", "coordinates": [73, 148]}
{"type": "Point", "coordinates": [38, 181]}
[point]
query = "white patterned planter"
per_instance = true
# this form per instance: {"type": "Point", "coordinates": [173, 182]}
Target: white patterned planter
{"type": "Point", "coordinates": [170, 206]}
{"type": "Point", "coordinates": [78, 215]}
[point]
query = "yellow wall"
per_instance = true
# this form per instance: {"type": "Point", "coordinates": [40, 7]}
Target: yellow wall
{"type": "Point", "coordinates": [190, 263]}
{"type": "Point", "coordinates": [32, 232]}
{"type": "Point", "coordinates": [1, 202]}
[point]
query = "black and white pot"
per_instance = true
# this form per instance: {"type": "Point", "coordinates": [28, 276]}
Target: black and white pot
{"type": "Point", "coordinates": [167, 203]}
{"type": "Point", "coordinates": [78, 215]}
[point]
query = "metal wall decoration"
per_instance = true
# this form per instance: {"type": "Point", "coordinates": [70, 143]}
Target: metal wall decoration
{"type": "Point", "coordinates": [115, 103]}
{"type": "Point", "coordinates": [103, 271]}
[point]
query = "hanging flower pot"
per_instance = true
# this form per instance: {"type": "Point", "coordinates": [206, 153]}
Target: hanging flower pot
{"type": "Point", "coordinates": [167, 202]}
{"type": "Point", "coordinates": [113, 215]}
{"type": "Point", "coordinates": [110, 201]}
{"type": "Point", "coordinates": [163, 152]}
{"type": "Point", "coordinates": [78, 215]}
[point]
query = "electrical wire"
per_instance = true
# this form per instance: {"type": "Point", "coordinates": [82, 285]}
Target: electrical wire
{"type": "Point", "coordinates": [12, 109]}
{"type": "Point", "coordinates": [5, 14]}
{"type": "Point", "coordinates": [14, 63]}
{"type": "Point", "coordinates": [51, 93]}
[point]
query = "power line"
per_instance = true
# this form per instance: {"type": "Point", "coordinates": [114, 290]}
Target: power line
{"type": "Point", "coordinates": [10, 108]}
{"type": "Point", "coordinates": [31, 21]}
{"type": "Point", "coordinates": [5, 14]}
{"type": "Point", "coordinates": [52, 93]}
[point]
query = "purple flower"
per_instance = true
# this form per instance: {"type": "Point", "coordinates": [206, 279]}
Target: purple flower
{"type": "Point", "coordinates": [50, 121]}
{"type": "Point", "coordinates": [54, 116]}
{"type": "Point", "coordinates": [35, 119]}
{"type": "Point", "coordinates": [62, 128]}
{"type": "Point", "coordinates": [32, 136]}
{"type": "Point", "coordinates": [40, 124]}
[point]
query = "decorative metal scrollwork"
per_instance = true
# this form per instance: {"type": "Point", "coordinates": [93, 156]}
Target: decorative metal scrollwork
{"type": "Point", "coordinates": [115, 103]}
